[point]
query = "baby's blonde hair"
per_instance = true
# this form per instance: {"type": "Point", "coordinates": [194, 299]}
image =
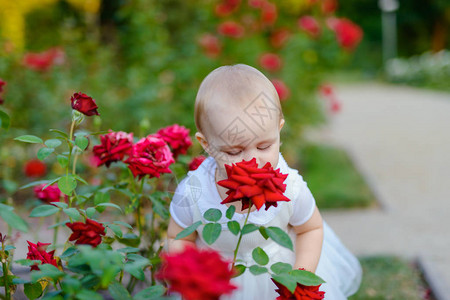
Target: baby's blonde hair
{"type": "Point", "coordinates": [237, 83]}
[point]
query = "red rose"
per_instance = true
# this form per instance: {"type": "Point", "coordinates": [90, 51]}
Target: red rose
{"type": "Point", "coordinates": [197, 274]}
{"type": "Point", "coordinates": [44, 60]}
{"type": "Point", "coordinates": [269, 13]}
{"type": "Point", "coordinates": [114, 146]}
{"type": "Point", "coordinates": [280, 37]}
{"type": "Point", "coordinates": [150, 156]}
{"type": "Point", "coordinates": [177, 137]}
{"type": "Point", "coordinates": [49, 194]}
{"type": "Point", "coordinates": [282, 89]}
{"type": "Point", "coordinates": [329, 6]}
{"type": "Point", "coordinates": [84, 104]}
{"type": "Point", "coordinates": [89, 233]}
{"type": "Point", "coordinates": [231, 29]}
{"type": "Point", "coordinates": [37, 252]}
{"type": "Point", "coordinates": [246, 182]}
{"type": "Point", "coordinates": [328, 93]}
{"type": "Point", "coordinates": [210, 44]}
{"type": "Point", "coordinates": [196, 162]}
{"type": "Point", "coordinates": [35, 168]}
{"type": "Point", "coordinates": [256, 3]}
{"type": "Point", "coordinates": [270, 61]}
{"type": "Point", "coordinates": [348, 34]}
{"type": "Point", "coordinates": [302, 292]}
{"type": "Point", "coordinates": [310, 26]}
{"type": "Point", "coordinates": [2, 84]}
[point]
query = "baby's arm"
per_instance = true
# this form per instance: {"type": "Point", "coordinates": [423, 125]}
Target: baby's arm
{"type": "Point", "coordinates": [308, 244]}
{"type": "Point", "coordinates": [178, 245]}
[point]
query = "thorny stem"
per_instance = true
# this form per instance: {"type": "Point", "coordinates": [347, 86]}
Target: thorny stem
{"type": "Point", "coordinates": [240, 236]}
{"type": "Point", "coordinates": [55, 232]}
{"type": "Point", "coordinates": [138, 210]}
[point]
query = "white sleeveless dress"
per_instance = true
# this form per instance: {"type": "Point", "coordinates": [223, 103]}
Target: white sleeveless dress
{"type": "Point", "coordinates": [337, 266]}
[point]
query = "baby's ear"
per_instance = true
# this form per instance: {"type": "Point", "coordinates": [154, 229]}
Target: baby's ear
{"type": "Point", "coordinates": [281, 123]}
{"type": "Point", "coordinates": [202, 140]}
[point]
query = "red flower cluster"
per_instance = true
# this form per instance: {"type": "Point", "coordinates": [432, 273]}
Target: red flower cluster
{"type": "Point", "coordinates": [37, 252]}
{"type": "Point", "coordinates": [249, 184]}
{"type": "Point", "coordinates": [44, 60]}
{"type": "Point", "coordinates": [114, 146]}
{"type": "Point", "coordinates": [280, 37]}
{"type": "Point", "coordinates": [196, 162]}
{"type": "Point", "coordinates": [270, 61]}
{"type": "Point", "coordinates": [210, 44]}
{"type": "Point", "coordinates": [231, 29]}
{"type": "Point", "coordinates": [282, 89]}
{"type": "Point", "coordinates": [35, 168]}
{"type": "Point", "coordinates": [310, 26]}
{"type": "Point", "coordinates": [348, 34]}
{"type": "Point", "coordinates": [49, 194]}
{"type": "Point", "coordinates": [177, 137]}
{"type": "Point", "coordinates": [197, 274]}
{"type": "Point", "coordinates": [269, 13]}
{"type": "Point", "coordinates": [89, 233]}
{"type": "Point", "coordinates": [329, 6]}
{"type": "Point", "coordinates": [226, 7]}
{"type": "Point", "coordinates": [150, 156]}
{"type": "Point", "coordinates": [302, 292]}
{"type": "Point", "coordinates": [2, 84]}
{"type": "Point", "coordinates": [84, 104]}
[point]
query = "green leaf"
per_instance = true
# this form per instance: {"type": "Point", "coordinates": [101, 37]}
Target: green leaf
{"type": "Point", "coordinates": [60, 204]}
{"type": "Point", "coordinates": [44, 211]}
{"type": "Point", "coordinates": [239, 270]}
{"type": "Point", "coordinates": [128, 250]}
{"type": "Point", "coordinates": [44, 152]}
{"type": "Point", "coordinates": [211, 232]}
{"type": "Point", "coordinates": [20, 281]}
{"type": "Point", "coordinates": [150, 293]}
{"type": "Point", "coordinates": [88, 295]}
{"type": "Point", "coordinates": [109, 205]}
{"type": "Point", "coordinates": [12, 219]}
{"type": "Point", "coordinates": [80, 179]}
{"type": "Point", "coordinates": [234, 227]}
{"type": "Point", "coordinates": [52, 143]}
{"type": "Point", "coordinates": [249, 228]}
{"type": "Point", "coordinates": [116, 229]}
{"type": "Point", "coordinates": [10, 186]}
{"type": "Point", "coordinates": [188, 230]}
{"type": "Point", "coordinates": [62, 160]}
{"type": "Point", "coordinates": [260, 256]}
{"type": "Point", "coordinates": [263, 232]}
{"type": "Point", "coordinates": [123, 224]}
{"type": "Point", "coordinates": [69, 252]}
{"type": "Point", "coordinates": [281, 267]}
{"type": "Point", "coordinates": [257, 270]}
{"type": "Point", "coordinates": [230, 212]}
{"type": "Point", "coordinates": [61, 133]}
{"type": "Point", "coordinates": [160, 209]}
{"type": "Point", "coordinates": [82, 142]}
{"type": "Point", "coordinates": [135, 269]}
{"type": "Point", "coordinates": [67, 184]}
{"type": "Point", "coordinates": [29, 139]}
{"type": "Point", "coordinates": [90, 212]}
{"type": "Point", "coordinates": [8, 247]}
{"type": "Point", "coordinates": [213, 215]}
{"type": "Point", "coordinates": [27, 262]}
{"type": "Point", "coordinates": [34, 183]}
{"type": "Point", "coordinates": [46, 270]}
{"type": "Point", "coordinates": [51, 182]}
{"type": "Point", "coordinates": [33, 290]}
{"type": "Point", "coordinates": [280, 237]}
{"type": "Point", "coordinates": [118, 291]}
{"type": "Point", "coordinates": [73, 213]}
{"type": "Point", "coordinates": [306, 278]}
{"type": "Point", "coordinates": [287, 280]}
{"type": "Point", "coordinates": [5, 120]}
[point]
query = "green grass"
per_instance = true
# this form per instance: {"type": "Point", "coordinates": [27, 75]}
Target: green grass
{"type": "Point", "coordinates": [333, 179]}
{"type": "Point", "coordinates": [388, 277]}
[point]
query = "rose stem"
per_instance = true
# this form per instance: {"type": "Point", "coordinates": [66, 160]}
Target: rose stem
{"type": "Point", "coordinates": [240, 235]}
{"type": "Point", "coordinates": [5, 273]}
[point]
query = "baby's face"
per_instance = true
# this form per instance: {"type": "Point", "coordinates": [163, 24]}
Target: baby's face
{"type": "Point", "coordinates": [236, 134]}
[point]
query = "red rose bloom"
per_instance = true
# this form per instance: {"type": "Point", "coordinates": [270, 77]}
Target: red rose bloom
{"type": "Point", "coordinates": [84, 104]}
{"type": "Point", "coordinates": [37, 252]}
{"type": "Point", "coordinates": [44, 60]}
{"type": "Point", "coordinates": [329, 6]}
{"type": "Point", "coordinates": [280, 37]}
{"type": "Point", "coordinates": [2, 84]}
{"type": "Point", "coordinates": [197, 274]}
{"type": "Point", "coordinates": [35, 168]}
{"type": "Point", "coordinates": [89, 233]}
{"type": "Point", "coordinates": [246, 182]}
{"type": "Point", "coordinates": [310, 26]}
{"type": "Point", "coordinates": [150, 156]}
{"type": "Point", "coordinates": [231, 29]}
{"type": "Point", "coordinates": [211, 45]}
{"type": "Point", "coordinates": [196, 162]}
{"type": "Point", "coordinates": [348, 34]}
{"type": "Point", "coordinates": [177, 137]}
{"type": "Point", "coordinates": [302, 292]}
{"type": "Point", "coordinates": [49, 194]}
{"type": "Point", "coordinates": [282, 89]}
{"type": "Point", "coordinates": [269, 13]}
{"type": "Point", "coordinates": [114, 146]}
{"type": "Point", "coordinates": [270, 61]}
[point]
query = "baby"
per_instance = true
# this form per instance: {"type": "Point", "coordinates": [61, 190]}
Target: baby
{"type": "Point", "coordinates": [238, 117]}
